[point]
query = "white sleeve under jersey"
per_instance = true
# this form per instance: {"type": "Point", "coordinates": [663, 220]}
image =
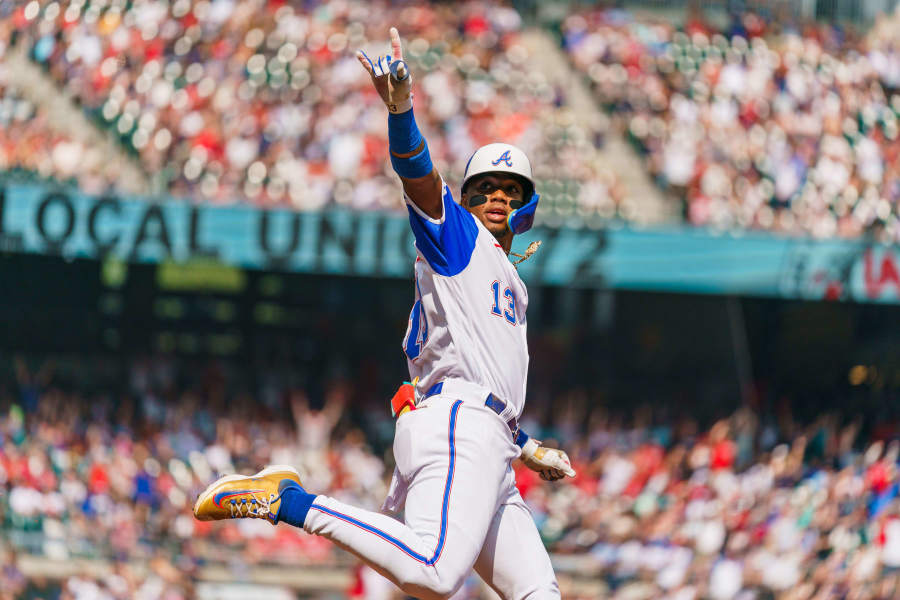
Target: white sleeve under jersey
{"type": "Point", "coordinates": [468, 320]}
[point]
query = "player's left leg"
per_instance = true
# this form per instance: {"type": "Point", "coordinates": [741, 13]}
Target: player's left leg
{"type": "Point", "coordinates": [513, 560]}
{"type": "Point", "coordinates": [455, 456]}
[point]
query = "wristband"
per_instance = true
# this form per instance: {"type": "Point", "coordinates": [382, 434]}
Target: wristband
{"type": "Point", "coordinates": [403, 133]}
{"type": "Point", "coordinates": [521, 439]}
{"type": "Point", "coordinates": [404, 137]}
{"type": "Point", "coordinates": [413, 167]}
{"type": "Point", "coordinates": [402, 108]}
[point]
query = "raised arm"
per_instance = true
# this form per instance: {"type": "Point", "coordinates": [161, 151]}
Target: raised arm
{"type": "Point", "coordinates": [409, 152]}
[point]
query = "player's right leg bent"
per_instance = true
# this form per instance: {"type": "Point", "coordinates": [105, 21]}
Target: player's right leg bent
{"type": "Point", "coordinates": [455, 456]}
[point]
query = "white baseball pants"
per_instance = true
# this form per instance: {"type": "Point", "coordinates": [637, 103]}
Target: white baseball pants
{"type": "Point", "coordinates": [462, 509]}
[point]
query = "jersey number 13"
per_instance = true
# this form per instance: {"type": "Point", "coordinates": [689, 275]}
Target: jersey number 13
{"type": "Point", "coordinates": [504, 304]}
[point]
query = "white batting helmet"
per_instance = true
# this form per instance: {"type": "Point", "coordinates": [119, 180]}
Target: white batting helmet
{"type": "Point", "coordinates": [499, 157]}
{"type": "Point", "coordinates": [506, 158]}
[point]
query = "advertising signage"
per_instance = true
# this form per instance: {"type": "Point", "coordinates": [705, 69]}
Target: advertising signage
{"type": "Point", "coordinates": [43, 219]}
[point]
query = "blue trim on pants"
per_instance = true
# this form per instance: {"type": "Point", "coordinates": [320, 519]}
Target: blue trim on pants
{"type": "Point", "coordinates": [445, 505]}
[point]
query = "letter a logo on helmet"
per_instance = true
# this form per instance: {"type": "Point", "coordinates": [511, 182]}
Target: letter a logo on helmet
{"type": "Point", "coordinates": [503, 158]}
{"type": "Point", "coordinates": [509, 160]}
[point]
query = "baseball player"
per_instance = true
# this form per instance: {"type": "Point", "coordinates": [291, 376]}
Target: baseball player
{"type": "Point", "coordinates": [467, 352]}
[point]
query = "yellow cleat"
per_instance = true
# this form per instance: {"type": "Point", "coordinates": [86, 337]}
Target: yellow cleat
{"type": "Point", "coordinates": [239, 496]}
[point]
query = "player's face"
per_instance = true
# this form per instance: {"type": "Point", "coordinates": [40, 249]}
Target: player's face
{"type": "Point", "coordinates": [491, 197]}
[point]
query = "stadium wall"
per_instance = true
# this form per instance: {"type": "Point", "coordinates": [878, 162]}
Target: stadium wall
{"type": "Point", "coordinates": [42, 219]}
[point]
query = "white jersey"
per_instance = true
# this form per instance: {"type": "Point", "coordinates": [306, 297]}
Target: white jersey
{"type": "Point", "coordinates": [468, 320]}
{"type": "Point", "coordinates": [453, 477]}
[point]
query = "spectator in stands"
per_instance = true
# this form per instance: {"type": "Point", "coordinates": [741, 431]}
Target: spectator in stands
{"type": "Point", "coordinates": [791, 133]}
{"type": "Point", "coordinates": [259, 101]}
{"type": "Point", "coordinates": [662, 507]}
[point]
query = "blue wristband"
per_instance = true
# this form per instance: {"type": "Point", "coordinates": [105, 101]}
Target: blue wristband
{"type": "Point", "coordinates": [521, 439]}
{"type": "Point", "coordinates": [403, 133]}
{"type": "Point", "coordinates": [404, 137]}
{"type": "Point", "coordinates": [413, 167]}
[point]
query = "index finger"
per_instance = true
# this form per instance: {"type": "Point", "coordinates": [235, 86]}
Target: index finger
{"type": "Point", "coordinates": [395, 44]}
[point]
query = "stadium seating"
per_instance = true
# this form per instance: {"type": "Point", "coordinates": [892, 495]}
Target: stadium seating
{"type": "Point", "coordinates": [761, 126]}
{"type": "Point", "coordinates": [29, 147]}
{"type": "Point", "coordinates": [658, 504]}
{"type": "Point", "coordinates": [259, 102]}
{"type": "Point", "coordinates": [783, 130]}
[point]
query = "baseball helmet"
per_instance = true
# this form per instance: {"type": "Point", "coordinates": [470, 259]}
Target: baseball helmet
{"type": "Point", "coordinates": [506, 158]}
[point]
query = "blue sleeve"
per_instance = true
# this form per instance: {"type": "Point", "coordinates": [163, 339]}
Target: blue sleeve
{"type": "Point", "coordinates": [446, 243]}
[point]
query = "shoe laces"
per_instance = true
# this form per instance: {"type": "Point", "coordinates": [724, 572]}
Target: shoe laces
{"type": "Point", "coordinates": [254, 507]}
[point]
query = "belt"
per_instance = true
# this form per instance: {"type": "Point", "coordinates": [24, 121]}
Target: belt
{"type": "Point", "coordinates": [492, 402]}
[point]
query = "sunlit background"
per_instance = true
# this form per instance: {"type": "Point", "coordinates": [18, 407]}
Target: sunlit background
{"type": "Point", "coordinates": [205, 267]}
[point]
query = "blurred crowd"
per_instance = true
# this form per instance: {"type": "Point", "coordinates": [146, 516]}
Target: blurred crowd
{"type": "Point", "coordinates": [752, 507]}
{"type": "Point", "coordinates": [763, 125]}
{"type": "Point", "coordinates": [746, 509]}
{"type": "Point", "coordinates": [88, 472]}
{"type": "Point", "coordinates": [29, 144]}
{"type": "Point", "coordinates": [264, 101]}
